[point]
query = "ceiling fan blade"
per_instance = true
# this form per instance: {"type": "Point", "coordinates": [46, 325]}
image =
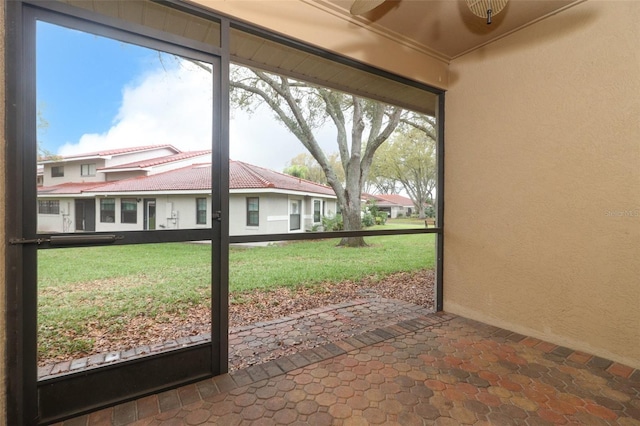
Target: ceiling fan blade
{"type": "Point", "coordinates": [359, 7]}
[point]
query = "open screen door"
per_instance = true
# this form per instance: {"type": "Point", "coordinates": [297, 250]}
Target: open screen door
{"type": "Point", "coordinates": [127, 170]}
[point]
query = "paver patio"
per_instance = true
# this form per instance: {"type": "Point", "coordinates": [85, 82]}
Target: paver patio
{"type": "Point", "coordinates": [431, 369]}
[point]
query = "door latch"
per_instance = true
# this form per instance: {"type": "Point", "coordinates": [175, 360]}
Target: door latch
{"type": "Point", "coordinates": [217, 215]}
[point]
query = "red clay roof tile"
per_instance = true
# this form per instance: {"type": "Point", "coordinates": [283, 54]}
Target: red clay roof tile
{"type": "Point", "coordinates": [117, 151]}
{"type": "Point", "coordinates": [158, 160]}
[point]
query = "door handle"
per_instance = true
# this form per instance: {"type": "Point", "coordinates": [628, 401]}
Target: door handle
{"type": "Point", "coordinates": [65, 240]}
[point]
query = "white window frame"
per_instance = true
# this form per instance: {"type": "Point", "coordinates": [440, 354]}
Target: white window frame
{"type": "Point", "coordinates": [320, 211]}
{"type": "Point", "coordinates": [300, 213]}
{"type": "Point", "coordinates": [90, 167]}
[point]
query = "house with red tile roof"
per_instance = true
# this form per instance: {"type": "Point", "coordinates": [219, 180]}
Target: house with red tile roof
{"type": "Point", "coordinates": [161, 187]}
{"type": "Point", "coordinates": [395, 205]}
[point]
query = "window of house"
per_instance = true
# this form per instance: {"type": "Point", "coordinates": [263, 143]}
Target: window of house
{"type": "Point", "coordinates": [294, 215]}
{"type": "Point", "coordinates": [128, 210]}
{"type": "Point", "coordinates": [201, 211]}
{"type": "Point", "coordinates": [253, 211]}
{"type": "Point", "coordinates": [57, 171]}
{"type": "Point", "coordinates": [107, 210]}
{"type": "Point", "coordinates": [88, 169]}
{"type": "Point", "coordinates": [48, 207]}
{"type": "Point", "coordinates": [317, 211]}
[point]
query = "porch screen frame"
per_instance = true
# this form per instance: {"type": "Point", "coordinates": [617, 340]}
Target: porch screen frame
{"type": "Point", "coordinates": [29, 400]}
{"type": "Point", "coordinates": [21, 311]}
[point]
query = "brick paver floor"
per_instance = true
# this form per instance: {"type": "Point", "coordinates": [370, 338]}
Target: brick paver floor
{"type": "Point", "coordinates": [438, 369]}
{"type": "Point", "coordinates": [265, 341]}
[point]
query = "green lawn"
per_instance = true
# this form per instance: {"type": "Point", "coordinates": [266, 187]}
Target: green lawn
{"type": "Point", "coordinates": [104, 287]}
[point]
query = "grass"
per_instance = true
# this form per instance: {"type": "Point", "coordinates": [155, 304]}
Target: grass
{"type": "Point", "coordinates": [81, 289]}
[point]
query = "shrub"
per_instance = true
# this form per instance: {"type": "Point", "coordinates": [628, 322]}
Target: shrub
{"type": "Point", "coordinates": [368, 219]}
{"type": "Point", "coordinates": [333, 223]}
{"type": "Point", "coordinates": [381, 218]}
{"type": "Point", "coordinates": [429, 211]}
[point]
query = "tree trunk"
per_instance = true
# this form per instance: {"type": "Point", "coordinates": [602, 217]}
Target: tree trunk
{"type": "Point", "coordinates": [352, 222]}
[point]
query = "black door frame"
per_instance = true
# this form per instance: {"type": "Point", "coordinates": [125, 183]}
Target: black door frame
{"type": "Point", "coordinates": [30, 401]}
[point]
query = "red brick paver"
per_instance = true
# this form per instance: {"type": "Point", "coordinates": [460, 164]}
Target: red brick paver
{"type": "Point", "coordinates": [412, 375]}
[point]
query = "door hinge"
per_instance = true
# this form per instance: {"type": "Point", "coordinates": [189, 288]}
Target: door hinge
{"type": "Point", "coordinates": [217, 215]}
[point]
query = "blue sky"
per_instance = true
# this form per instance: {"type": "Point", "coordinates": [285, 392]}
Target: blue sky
{"type": "Point", "coordinates": [97, 93]}
{"type": "Point", "coordinates": [66, 81]}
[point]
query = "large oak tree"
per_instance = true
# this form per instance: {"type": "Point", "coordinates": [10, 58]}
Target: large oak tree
{"type": "Point", "coordinates": [362, 127]}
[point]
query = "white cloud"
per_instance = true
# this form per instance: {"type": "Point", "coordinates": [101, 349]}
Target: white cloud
{"type": "Point", "coordinates": [165, 107]}
{"type": "Point", "coordinates": [259, 139]}
{"type": "Point", "coordinates": [173, 106]}
{"type": "Point", "coordinates": [262, 140]}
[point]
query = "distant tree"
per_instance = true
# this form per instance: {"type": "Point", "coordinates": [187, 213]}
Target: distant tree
{"type": "Point", "coordinates": [362, 127]}
{"type": "Point", "coordinates": [378, 184]}
{"type": "Point", "coordinates": [42, 126]}
{"type": "Point", "coordinates": [313, 170]}
{"type": "Point", "coordinates": [410, 158]}
{"type": "Point", "coordinates": [297, 170]}
{"type": "Point", "coordinates": [424, 123]}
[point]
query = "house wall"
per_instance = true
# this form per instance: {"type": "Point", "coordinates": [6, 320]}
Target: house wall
{"type": "Point", "coordinates": [273, 216]}
{"type": "Point", "coordinates": [72, 172]}
{"type": "Point", "coordinates": [179, 211]}
{"type": "Point", "coordinates": [277, 212]}
{"type": "Point", "coordinates": [274, 213]}
{"type": "Point", "coordinates": [172, 212]}
{"type": "Point", "coordinates": [542, 178]}
{"type": "Point", "coordinates": [238, 211]}
{"type": "Point", "coordinates": [49, 223]}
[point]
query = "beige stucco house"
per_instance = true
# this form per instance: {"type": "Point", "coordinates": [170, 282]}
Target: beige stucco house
{"type": "Point", "coordinates": [163, 188]}
{"type": "Point", "coordinates": [542, 179]}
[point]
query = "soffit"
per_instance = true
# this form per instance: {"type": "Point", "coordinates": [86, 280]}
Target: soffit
{"type": "Point", "coordinates": [256, 51]}
{"type": "Point", "coordinates": [156, 16]}
{"type": "Point", "coordinates": [444, 29]}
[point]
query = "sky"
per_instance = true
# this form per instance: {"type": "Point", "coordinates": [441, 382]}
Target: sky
{"type": "Point", "coordinates": [97, 93]}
